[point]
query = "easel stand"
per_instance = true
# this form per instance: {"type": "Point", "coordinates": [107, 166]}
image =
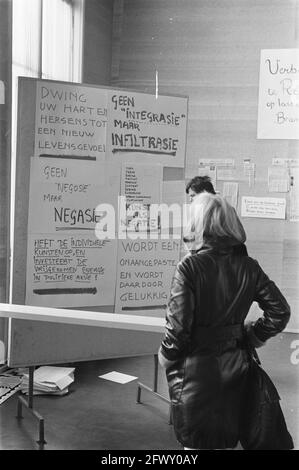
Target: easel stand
{"type": "Point", "coordinates": [153, 390]}
{"type": "Point", "coordinates": [29, 406]}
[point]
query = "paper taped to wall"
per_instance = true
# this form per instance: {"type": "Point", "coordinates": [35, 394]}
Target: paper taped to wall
{"type": "Point", "coordinates": [263, 207]}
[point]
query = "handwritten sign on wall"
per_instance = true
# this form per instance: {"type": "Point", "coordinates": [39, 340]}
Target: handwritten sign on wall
{"type": "Point", "coordinates": [145, 128]}
{"type": "Point", "coordinates": [64, 194]}
{"type": "Point", "coordinates": [66, 270]}
{"type": "Point", "coordinates": [70, 121]}
{"type": "Point", "coordinates": [67, 265]}
{"type": "Point", "coordinates": [144, 274]}
{"type": "Point", "coordinates": [278, 111]}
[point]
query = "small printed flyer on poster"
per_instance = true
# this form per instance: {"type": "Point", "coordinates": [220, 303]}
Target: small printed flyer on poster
{"type": "Point", "coordinates": [141, 186]}
{"type": "Point", "coordinates": [146, 262]}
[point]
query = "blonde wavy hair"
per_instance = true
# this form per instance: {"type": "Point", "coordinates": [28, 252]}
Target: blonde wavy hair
{"type": "Point", "coordinates": [213, 222]}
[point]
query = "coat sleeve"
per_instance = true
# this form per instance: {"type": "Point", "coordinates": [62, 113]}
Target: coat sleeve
{"type": "Point", "coordinates": [276, 311]}
{"type": "Point", "coordinates": [179, 316]}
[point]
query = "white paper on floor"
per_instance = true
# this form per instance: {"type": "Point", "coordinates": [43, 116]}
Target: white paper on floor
{"type": "Point", "coordinates": [118, 377]}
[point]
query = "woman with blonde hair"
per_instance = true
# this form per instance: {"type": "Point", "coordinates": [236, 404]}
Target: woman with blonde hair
{"type": "Point", "coordinates": [204, 348]}
{"type": "Point", "coordinates": [213, 215]}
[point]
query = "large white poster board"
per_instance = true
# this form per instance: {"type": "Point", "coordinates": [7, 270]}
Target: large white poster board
{"type": "Point", "coordinates": [145, 128]}
{"type": "Point", "coordinates": [67, 265]}
{"type": "Point", "coordinates": [278, 109]}
{"type": "Point", "coordinates": [71, 120]}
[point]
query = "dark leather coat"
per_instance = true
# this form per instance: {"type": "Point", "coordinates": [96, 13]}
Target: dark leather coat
{"type": "Point", "coordinates": [204, 348]}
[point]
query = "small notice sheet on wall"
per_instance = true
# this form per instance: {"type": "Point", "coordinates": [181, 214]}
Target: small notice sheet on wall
{"type": "Point", "coordinates": [249, 171]}
{"type": "Point", "coordinates": [288, 162]}
{"type": "Point", "coordinates": [278, 111]}
{"type": "Point", "coordinates": [294, 195]}
{"type": "Point", "coordinates": [230, 192]}
{"type": "Point", "coordinates": [278, 179]}
{"type": "Point", "coordinates": [263, 207]}
{"type": "Point", "coordinates": [210, 171]}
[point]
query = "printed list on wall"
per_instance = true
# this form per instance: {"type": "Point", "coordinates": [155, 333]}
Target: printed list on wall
{"type": "Point", "coordinates": [146, 262]}
{"type": "Point", "coordinates": [71, 121]}
{"type": "Point", "coordinates": [141, 186]}
{"type": "Point", "coordinates": [145, 128]}
{"type": "Point", "coordinates": [67, 265]}
{"type": "Point", "coordinates": [278, 111]}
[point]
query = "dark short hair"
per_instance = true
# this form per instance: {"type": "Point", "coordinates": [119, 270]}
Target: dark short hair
{"type": "Point", "coordinates": [198, 184]}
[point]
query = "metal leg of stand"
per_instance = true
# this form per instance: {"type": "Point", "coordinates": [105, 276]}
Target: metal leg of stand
{"type": "Point", "coordinates": [30, 391]}
{"type": "Point", "coordinates": [170, 421]}
{"type": "Point", "coordinates": [153, 390]}
{"type": "Point", "coordinates": [138, 394]}
{"type": "Point", "coordinates": [19, 409]}
{"type": "Point", "coordinates": [155, 385]}
{"type": "Point", "coordinates": [29, 406]}
{"type": "Point", "coordinates": [156, 365]}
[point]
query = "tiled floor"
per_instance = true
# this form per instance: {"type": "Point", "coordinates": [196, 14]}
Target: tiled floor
{"type": "Point", "coordinates": [103, 415]}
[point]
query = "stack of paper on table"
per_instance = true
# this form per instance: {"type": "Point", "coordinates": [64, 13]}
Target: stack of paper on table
{"type": "Point", "coordinates": [51, 380]}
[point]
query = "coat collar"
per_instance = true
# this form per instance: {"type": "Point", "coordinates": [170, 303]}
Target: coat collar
{"type": "Point", "coordinates": [239, 249]}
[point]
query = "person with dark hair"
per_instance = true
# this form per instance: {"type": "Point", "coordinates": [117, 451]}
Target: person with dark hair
{"type": "Point", "coordinates": [204, 349]}
{"type": "Point", "coordinates": [196, 186]}
{"type": "Point", "coordinates": [199, 184]}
